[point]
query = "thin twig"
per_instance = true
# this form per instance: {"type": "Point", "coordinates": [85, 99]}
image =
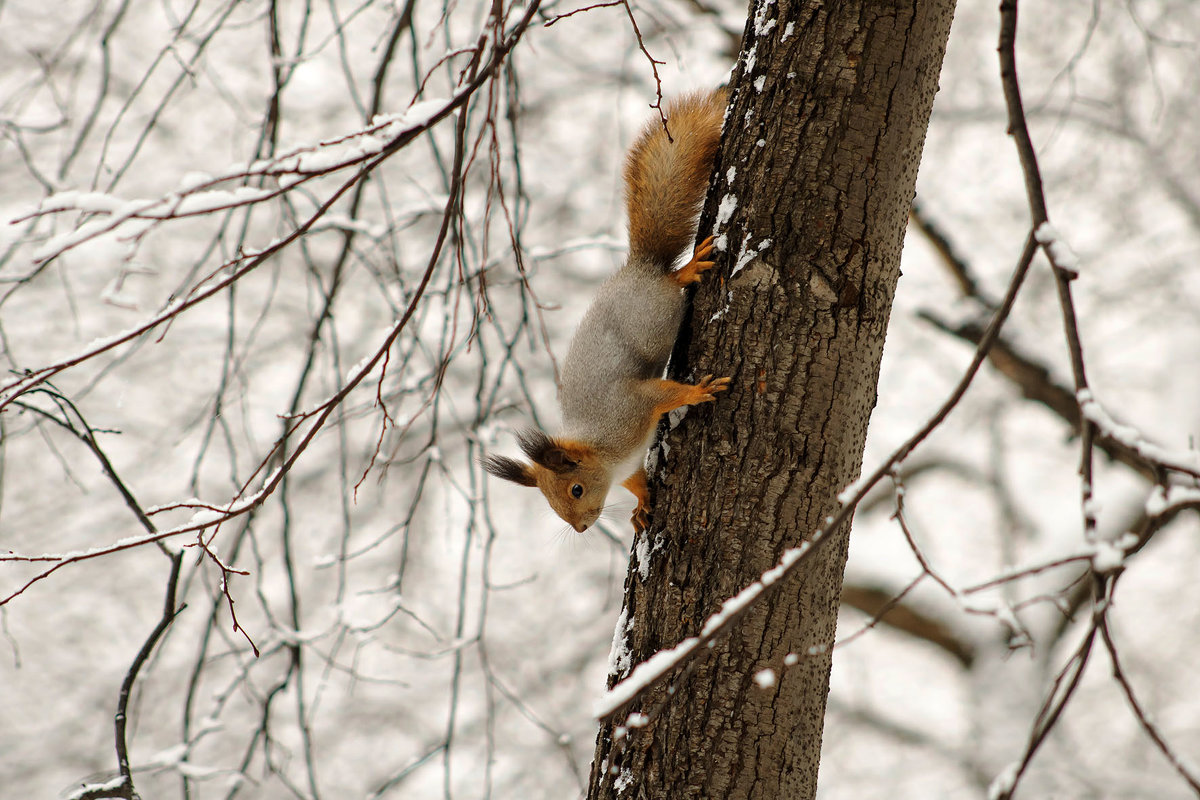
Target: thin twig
{"type": "Point", "coordinates": [1143, 719]}
{"type": "Point", "coordinates": [168, 616]}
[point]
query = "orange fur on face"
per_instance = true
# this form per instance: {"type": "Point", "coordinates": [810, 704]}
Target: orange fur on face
{"type": "Point", "coordinates": [560, 469]}
{"type": "Point", "coordinates": [588, 474]}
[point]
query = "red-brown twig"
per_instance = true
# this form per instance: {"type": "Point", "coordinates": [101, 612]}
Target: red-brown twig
{"type": "Point", "coordinates": [1147, 725]}
{"type": "Point", "coordinates": [637, 32]}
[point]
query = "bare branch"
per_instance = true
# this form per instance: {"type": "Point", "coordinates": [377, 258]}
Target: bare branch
{"type": "Point", "coordinates": [890, 609]}
{"type": "Point", "coordinates": [1140, 713]}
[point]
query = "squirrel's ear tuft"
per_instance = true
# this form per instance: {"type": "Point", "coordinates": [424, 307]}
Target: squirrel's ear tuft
{"type": "Point", "coordinates": [543, 450]}
{"type": "Point", "coordinates": [509, 470]}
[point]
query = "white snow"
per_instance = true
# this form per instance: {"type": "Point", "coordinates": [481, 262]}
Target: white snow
{"type": "Point", "coordinates": [1108, 557]}
{"type": "Point", "coordinates": [1061, 254]}
{"type": "Point", "coordinates": [725, 211]}
{"type": "Point", "coordinates": [205, 516]}
{"type": "Point", "coordinates": [117, 212]}
{"type": "Point", "coordinates": [1002, 784]}
{"type": "Point", "coordinates": [747, 254]}
{"type": "Point", "coordinates": [96, 788]}
{"type": "Point", "coordinates": [1161, 500]}
{"type": "Point", "coordinates": [505, 571]}
{"type": "Point", "coordinates": [664, 661]}
{"type": "Point", "coordinates": [763, 25]}
{"type": "Point", "coordinates": [642, 547]}
{"type": "Point", "coordinates": [194, 179]}
{"type": "Point", "coordinates": [1180, 460]}
{"type": "Point", "coordinates": [619, 657]}
{"type": "Point", "coordinates": [851, 491]}
{"type": "Point", "coordinates": [643, 675]}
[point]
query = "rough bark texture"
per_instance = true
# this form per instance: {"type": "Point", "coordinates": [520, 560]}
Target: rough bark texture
{"type": "Point", "coordinates": [827, 120]}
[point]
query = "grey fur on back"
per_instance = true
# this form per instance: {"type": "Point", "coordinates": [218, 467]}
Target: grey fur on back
{"type": "Point", "coordinates": [625, 337]}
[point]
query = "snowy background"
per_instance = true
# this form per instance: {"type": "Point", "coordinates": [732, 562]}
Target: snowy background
{"type": "Point", "coordinates": [424, 632]}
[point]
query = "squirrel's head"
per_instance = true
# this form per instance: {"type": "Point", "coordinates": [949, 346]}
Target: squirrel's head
{"type": "Point", "coordinates": [570, 474]}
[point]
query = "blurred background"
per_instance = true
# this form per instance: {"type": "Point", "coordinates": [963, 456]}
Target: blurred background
{"type": "Point", "coordinates": [421, 631]}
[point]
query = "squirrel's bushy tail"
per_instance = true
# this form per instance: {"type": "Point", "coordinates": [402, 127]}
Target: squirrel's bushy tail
{"type": "Point", "coordinates": [665, 180]}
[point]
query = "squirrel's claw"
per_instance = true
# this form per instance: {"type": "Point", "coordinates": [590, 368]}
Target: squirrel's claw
{"type": "Point", "coordinates": [636, 483]}
{"type": "Point", "coordinates": [640, 518]}
{"type": "Point", "coordinates": [710, 386]}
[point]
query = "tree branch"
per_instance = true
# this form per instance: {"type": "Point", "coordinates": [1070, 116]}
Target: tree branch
{"type": "Point", "coordinates": [889, 609]}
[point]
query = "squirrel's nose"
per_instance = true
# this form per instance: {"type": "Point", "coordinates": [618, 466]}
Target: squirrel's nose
{"type": "Point", "coordinates": [581, 527]}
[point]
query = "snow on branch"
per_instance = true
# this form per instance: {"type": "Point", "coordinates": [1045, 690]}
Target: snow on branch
{"type": "Point", "coordinates": [664, 662]}
{"type": "Point", "coordinates": [1166, 499]}
{"type": "Point", "coordinates": [1185, 461]}
{"type": "Point", "coordinates": [366, 149]}
{"type": "Point", "coordinates": [199, 194]}
{"type": "Point", "coordinates": [206, 516]}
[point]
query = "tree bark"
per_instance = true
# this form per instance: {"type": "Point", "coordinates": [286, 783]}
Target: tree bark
{"type": "Point", "coordinates": [828, 111]}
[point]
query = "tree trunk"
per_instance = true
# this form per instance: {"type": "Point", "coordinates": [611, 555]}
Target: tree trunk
{"type": "Point", "coordinates": [827, 119]}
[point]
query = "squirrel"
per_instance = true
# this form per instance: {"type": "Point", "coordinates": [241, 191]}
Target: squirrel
{"type": "Point", "coordinates": [611, 390]}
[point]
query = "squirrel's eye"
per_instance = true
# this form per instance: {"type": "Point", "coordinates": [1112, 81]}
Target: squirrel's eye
{"type": "Point", "coordinates": [577, 491]}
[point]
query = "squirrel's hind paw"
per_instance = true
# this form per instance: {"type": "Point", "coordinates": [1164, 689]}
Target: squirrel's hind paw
{"type": "Point", "coordinates": [709, 386]}
{"type": "Point", "coordinates": [670, 395]}
{"type": "Point", "coordinates": [636, 483]}
{"type": "Point", "coordinates": [690, 272]}
{"type": "Point", "coordinates": [640, 518]}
